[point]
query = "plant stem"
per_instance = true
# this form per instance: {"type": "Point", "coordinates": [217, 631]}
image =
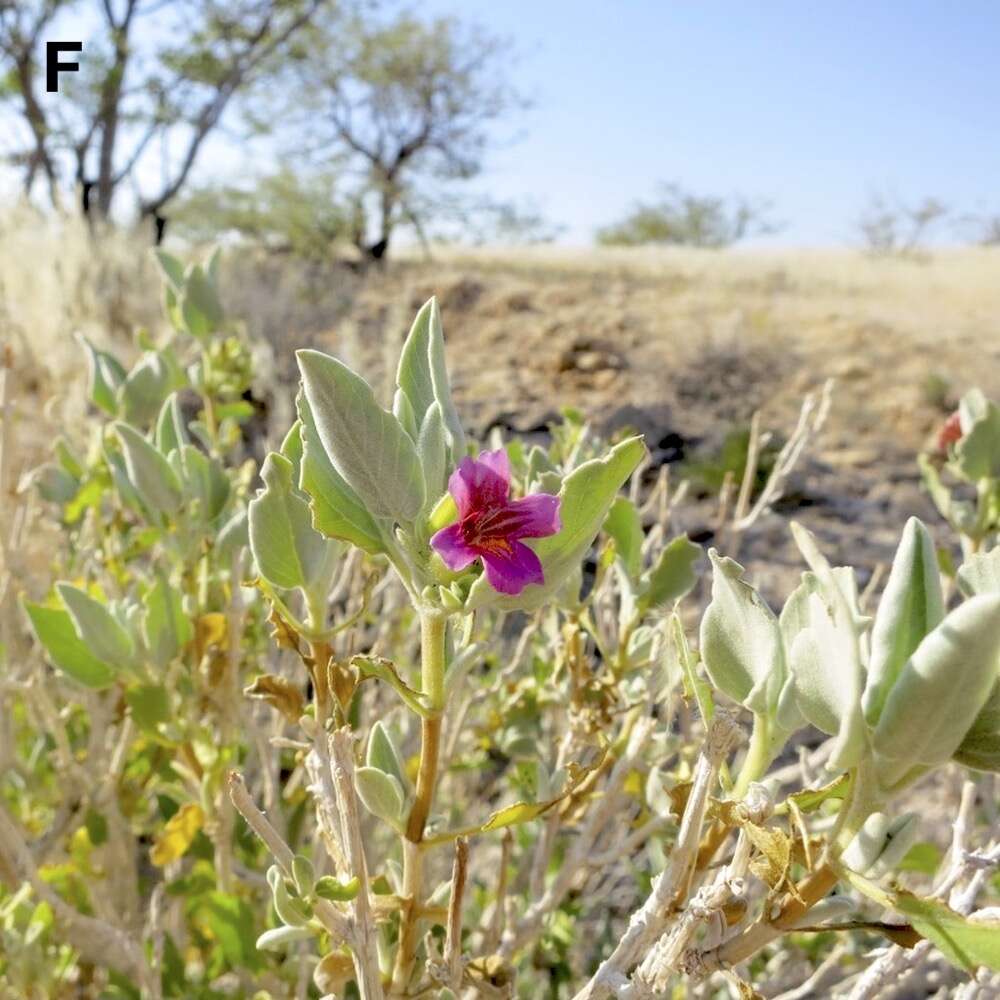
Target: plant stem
{"type": "Point", "coordinates": [758, 758]}
{"type": "Point", "coordinates": [432, 667]}
{"type": "Point", "coordinates": [858, 806]}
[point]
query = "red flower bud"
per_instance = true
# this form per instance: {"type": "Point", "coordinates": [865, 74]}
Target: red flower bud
{"type": "Point", "coordinates": [950, 432]}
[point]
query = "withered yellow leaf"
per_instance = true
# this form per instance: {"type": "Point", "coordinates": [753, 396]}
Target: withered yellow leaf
{"type": "Point", "coordinates": [209, 630]}
{"type": "Point", "coordinates": [177, 835]}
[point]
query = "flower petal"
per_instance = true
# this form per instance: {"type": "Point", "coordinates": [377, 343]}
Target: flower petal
{"type": "Point", "coordinates": [477, 485]}
{"type": "Point", "coordinates": [498, 462]}
{"type": "Point", "coordinates": [511, 566]}
{"type": "Point", "coordinates": [450, 546]}
{"type": "Point", "coordinates": [533, 516]}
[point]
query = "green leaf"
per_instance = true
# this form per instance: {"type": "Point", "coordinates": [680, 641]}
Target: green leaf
{"type": "Point", "coordinates": [96, 626]}
{"type": "Point", "coordinates": [149, 472]}
{"type": "Point", "coordinates": [149, 705]}
{"type": "Point", "coordinates": [55, 484]}
{"type": "Point", "coordinates": [940, 691]}
{"type": "Point", "coordinates": [432, 450]}
{"type": "Point", "coordinates": [205, 481]}
{"type": "Point", "coordinates": [514, 815]}
{"type": "Point", "coordinates": [303, 875]}
{"type": "Point", "coordinates": [279, 938]}
{"type": "Point", "coordinates": [423, 376]}
{"type": "Point", "coordinates": [911, 606]}
{"type": "Point", "coordinates": [240, 410]}
{"type": "Point", "coordinates": [366, 444]}
{"type": "Point", "coordinates": [291, 910]}
{"type": "Point", "coordinates": [624, 525]}
{"type": "Point", "coordinates": [200, 304]}
{"type": "Point", "coordinates": [382, 754]}
{"type": "Point", "coordinates": [794, 616]}
{"type": "Point", "coordinates": [980, 747]}
{"type": "Point", "coordinates": [291, 448]}
{"type": "Point", "coordinates": [172, 268]}
{"type": "Point", "coordinates": [672, 576]}
{"type": "Point", "coordinates": [381, 793]}
{"type": "Point", "coordinates": [288, 551]}
{"type": "Point", "coordinates": [585, 499]}
{"type": "Point", "coordinates": [55, 631]}
{"type": "Point", "coordinates": [144, 389]}
{"type": "Point", "coordinates": [106, 375]}
{"type": "Point", "coordinates": [403, 412]}
{"type": "Point", "coordinates": [166, 629]}
{"type": "Point", "coordinates": [810, 799]}
{"type": "Point", "coordinates": [522, 812]}
{"type": "Point", "coordinates": [972, 406]}
{"type": "Point", "coordinates": [980, 573]}
{"type": "Point", "coordinates": [336, 891]}
{"type": "Point", "coordinates": [385, 670]}
{"type": "Point", "coordinates": [741, 643]}
{"type": "Point", "coordinates": [171, 431]}
{"type": "Point", "coordinates": [966, 943]}
{"type": "Point", "coordinates": [97, 827]}
{"type": "Point", "coordinates": [828, 676]}
{"type": "Point", "coordinates": [336, 510]}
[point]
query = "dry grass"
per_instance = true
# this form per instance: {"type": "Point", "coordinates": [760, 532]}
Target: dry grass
{"type": "Point", "coordinates": [56, 282]}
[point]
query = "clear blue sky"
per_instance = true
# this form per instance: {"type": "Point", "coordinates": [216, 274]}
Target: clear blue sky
{"type": "Point", "coordinates": [814, 105]}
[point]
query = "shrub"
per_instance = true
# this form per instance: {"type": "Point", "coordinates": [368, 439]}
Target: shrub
{"type": "Point", "coordinates": [474, 720]}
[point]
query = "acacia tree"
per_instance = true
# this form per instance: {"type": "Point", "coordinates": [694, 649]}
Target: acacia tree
{"type": "Point", "coordinates": [409, 102]}
{"type": "Point", "coordinates": [131, 95]}
{"type": "Point", "coordinates": [21, 28]}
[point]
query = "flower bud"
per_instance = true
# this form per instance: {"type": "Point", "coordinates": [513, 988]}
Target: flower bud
{"type": "Point", "coordinates": [949, 433]}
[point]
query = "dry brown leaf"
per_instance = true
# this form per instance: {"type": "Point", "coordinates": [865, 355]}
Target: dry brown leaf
{"type": "Point", "coordinates": [279, 693]}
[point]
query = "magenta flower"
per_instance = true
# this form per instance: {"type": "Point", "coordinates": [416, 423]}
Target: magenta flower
{"type": "Point", "coordinates": [490, 524]}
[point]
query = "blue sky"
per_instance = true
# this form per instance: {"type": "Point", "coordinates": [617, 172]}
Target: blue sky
{"type": "Point", "coordinates": [814, 105]}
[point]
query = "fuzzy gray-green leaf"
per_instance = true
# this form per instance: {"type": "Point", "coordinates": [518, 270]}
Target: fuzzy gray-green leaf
{"type": "Point", "coordinates": [288, 551]}
{"type": "Point", "coordinates": [940, 691]}
{"type": "Point", "coordinates": [96, 626]}
{"type": "Point", "coordinates": [337, 512]}
{"type": "Point", "coordinates": [56, 632]}
{"type": "Point", "coordinates": [740, 640]}
{"type": "Point", "coordinates": [381, 793]}
{"type": "Point", "coordinates": [149, 472]}
{"type": "Point", "coordinates": [911, 606]}
{"type": "Point", "coordinates": [365, 443]}
{"type": "Point", "coordinates": [423, 375]}
{"type": "Point", "coordinates": [980, 573]}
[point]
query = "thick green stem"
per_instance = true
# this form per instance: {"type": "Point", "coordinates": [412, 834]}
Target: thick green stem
{"type": "Point", "coordinates": [760, 753]}
{"type": "Point", "coordinates": [432, 666]}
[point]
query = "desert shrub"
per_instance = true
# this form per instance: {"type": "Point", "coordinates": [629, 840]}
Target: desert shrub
{"type": "Point", "coordinates": [478, 752]}
{"type": "Point", "coordinates": [286, 212]}
{"type": "Point", "coordinates": [890, 227]}
{"type": "Point", "coordinates": [678, 217]}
